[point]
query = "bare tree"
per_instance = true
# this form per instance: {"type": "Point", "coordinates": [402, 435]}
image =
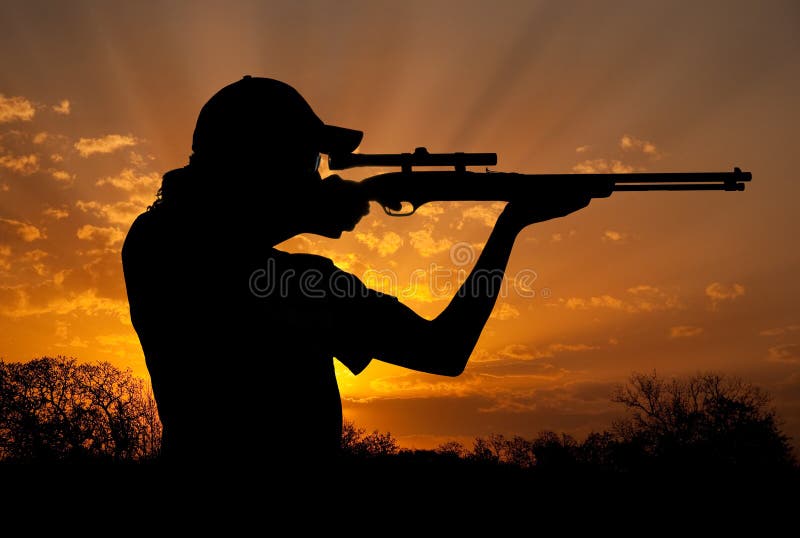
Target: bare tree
{"type": "Point", "coordinates": [483, 452]}
{"type": "Point", "coordinates": [706, 419]}
{"type": "Point", "coordinates": [55, 409]}
{"type": "Point", "coordinates": [356, 441]}
{"type": "Point", "coordinates": [451, 449]}
{"type": "Point", "coordinates": [516, 451]}
{"type": "Point", "coordinates": [555, 451]}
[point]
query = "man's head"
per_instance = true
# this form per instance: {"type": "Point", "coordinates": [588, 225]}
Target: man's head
{"type": "Point", "coordinates": [261, 123]}
{"type": "Point", "coordinates": [259, 142]}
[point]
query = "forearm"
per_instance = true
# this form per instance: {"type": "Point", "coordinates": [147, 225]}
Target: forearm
{"type": "Point", "coordinates": [459, 326]}
{"type": "Point", "coordinates": [449, 339]}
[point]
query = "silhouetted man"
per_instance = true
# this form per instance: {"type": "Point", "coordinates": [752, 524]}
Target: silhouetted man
{"type": "Point", "coordinates": [240, 337]}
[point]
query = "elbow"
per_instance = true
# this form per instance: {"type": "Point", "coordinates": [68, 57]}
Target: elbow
{"type": "Point", "coordinates": [451, 352]}
{"type": "Point", "coordinates": [441, 361]}
{"type": "Point", "coordinates": [453, 371]}
{"type": "Point", "coordinates": [452, 364]}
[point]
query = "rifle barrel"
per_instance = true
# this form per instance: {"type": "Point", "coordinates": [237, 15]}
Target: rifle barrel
{"type": "Point", "coordinates": [682, 177]}
{"type": "Point", "coordinates": [647, 178]}
{"type": "Point", "coordinates": [728, 186]}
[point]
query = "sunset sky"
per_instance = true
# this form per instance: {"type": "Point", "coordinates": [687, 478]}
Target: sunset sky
{"type": "Point", "coordinates": [98, 99]}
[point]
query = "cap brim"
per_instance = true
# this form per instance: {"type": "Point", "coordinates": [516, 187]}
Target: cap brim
{"type": "Point", "coordinates": [339, 140]}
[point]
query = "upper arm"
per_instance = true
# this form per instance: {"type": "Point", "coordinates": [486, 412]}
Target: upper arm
{"type": "Point", "coordinates": [378, 326]}
{"type": "Point", "coordinates": [395, 334]}
{"type": "Point", "coordinates": [357, 324]}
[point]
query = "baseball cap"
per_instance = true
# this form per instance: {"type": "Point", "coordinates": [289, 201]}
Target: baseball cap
{"type": "Point", "coordinates": [258, 115]}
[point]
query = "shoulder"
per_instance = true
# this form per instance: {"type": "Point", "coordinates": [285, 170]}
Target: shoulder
{"type": "Point", "coordinates": [145, 224]}
{"type": "Point", "coordinates": [140, 229]}
{"type": "Point", "coordinates": [144, 234]}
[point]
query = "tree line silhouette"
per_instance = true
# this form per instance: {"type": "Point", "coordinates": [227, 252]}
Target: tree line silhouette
{"type": "Point", "coordinates": [55, 409]}
{"type": "Point", "coordinates": [705, 423]}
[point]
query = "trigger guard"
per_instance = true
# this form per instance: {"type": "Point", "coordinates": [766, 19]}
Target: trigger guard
{"type": "Point", "coordinates": [391, 213]}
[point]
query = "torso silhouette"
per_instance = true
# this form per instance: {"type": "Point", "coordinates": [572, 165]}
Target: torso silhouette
{"type": "Point", "coordinates": [238, 375]}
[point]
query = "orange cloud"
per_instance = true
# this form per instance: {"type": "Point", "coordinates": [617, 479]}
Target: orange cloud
{"type": "Point", "coordinates": [606, 301]}
{"type": "Point", "coordinates": [110, 235]}
{"type": "Point", "coordinates": [63, 107]}
{"type": "Point", "coordinates": [603, 166]}
{"type": "Point", "coordinates": [414, 385]}
{"type": "Point", "coordinates": [56, 213]}
{"type": "Point", "coordinates": [138, 160]}
{"type": "Point", "coordinates": [614, 236]}
{"type": "Point", "coordinates": [34, 255]}
{"type": "Point", "coordinates": [788, 353]}
{"type": "Point", "coordinates": [86, 302]}
{"type": "Point", "coordinates": [629, 143]}
{"type": "Point", "coordinates": [424, 242]}
{"type": "Point", "coordinates": [560, 236]}
{"type": "Point", "coordinates": [28, 232]}
{"type": "Point", "coordinates": [650, 299]}
{"type": "Point", "coordinates": [23, 164]}
{"type": "Point", "coordinates": [61, 175]}
{"type": "Point", "coordinates": [62, 329]}
{"type": "Point", "coordinates": [505, 311]}
{"type": "Point", "coordinates": [487, 379]}
{"type": "Point", "coordinates": [578, 396]}
{"type": "Point", "coordinates": [517, 352]}
{"type": "Point", "coordinates": [128, 180]}
{"type": "Point", "coordinates": [123, 212]}
{"type": "Point", "coordinates": [141, 189]}
{"type": "Point", "coordinates": [642, 298]}
{"type": "Point", "coordinates": [522, 352]}
{"type": "Point", "coordinates": [684, 331]}
{"type": "Point", "coordinates": [389, 243]}
{"type": "Point", "coordinates": [121, 345]}
{"type": "Point", "coordinates": [104, 144]}
{"type": "Point", "coordinates": [431, 211]}
{"type": "Point", "coordinates": [777, 331]}
{"type": "Point", "coordinates": [77, 342]}
{"type": "Point", "coordinates": [15, 109]}
{"type": "Point", "coordinates": [718, 292]}
{"type": "Point", "coordinates": [556, 348]}
{"type": "Point", "coordinates": [485, 213]}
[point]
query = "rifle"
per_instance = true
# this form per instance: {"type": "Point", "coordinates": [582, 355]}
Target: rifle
{"type": "Point", "coordinates": [409, 189]}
